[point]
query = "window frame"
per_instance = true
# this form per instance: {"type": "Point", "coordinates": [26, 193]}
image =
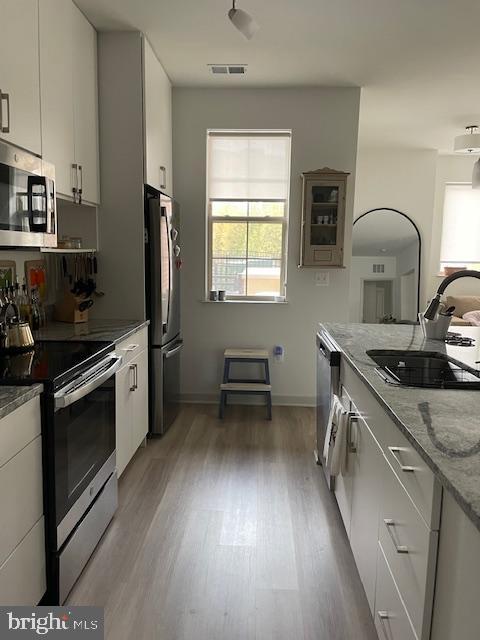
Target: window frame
{"type": "Point", "coordinates": [284, 220]}
{"type": "Point", "coordinates": [447, 263]}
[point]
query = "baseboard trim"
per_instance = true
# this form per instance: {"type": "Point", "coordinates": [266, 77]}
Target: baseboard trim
{"type": "Point", "coordinates": [277, 400]}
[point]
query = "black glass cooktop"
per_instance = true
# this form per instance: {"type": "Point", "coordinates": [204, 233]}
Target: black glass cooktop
{"type": "Point", "coordinates": [51, 363]}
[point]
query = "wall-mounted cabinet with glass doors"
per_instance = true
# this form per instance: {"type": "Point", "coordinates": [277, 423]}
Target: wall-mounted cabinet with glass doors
{"type": "Point", "coordinates": [323, 218]}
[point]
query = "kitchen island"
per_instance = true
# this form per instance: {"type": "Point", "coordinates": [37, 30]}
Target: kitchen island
{"type": "Point", "coordinates": [410, 493]}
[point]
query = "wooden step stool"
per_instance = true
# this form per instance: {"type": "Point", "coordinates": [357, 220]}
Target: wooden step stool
{"type": "Point", "coordinates": [260, 386]}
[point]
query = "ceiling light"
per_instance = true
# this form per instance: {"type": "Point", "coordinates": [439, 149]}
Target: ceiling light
{"type": "Point", "coordinates": [468, 142]}
{"type": "Point", "coordinates": [243, 21]}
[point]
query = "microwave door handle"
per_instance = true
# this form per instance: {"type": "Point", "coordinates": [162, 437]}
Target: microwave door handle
{"type": "Point", "coordinates": [175, 350]}
{"type": "Point", "coordinates": [42, 182]}
{"type": "Point", "coordinates": [65, 398]}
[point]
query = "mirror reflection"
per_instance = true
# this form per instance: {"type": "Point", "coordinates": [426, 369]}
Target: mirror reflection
{"type": "Point", "coordinates": [385, 269]}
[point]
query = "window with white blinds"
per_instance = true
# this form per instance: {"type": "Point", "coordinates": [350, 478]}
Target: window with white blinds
{"type": "Point", "coordinates": [248, 184]}
{"type": "Point", "coordinates": [461, 228]}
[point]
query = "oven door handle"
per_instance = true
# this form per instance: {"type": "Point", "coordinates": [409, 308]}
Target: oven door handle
{"type": "Point", "coordinates": [64, 397]}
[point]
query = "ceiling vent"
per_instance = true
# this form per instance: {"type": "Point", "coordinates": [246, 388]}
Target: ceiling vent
{"type": "Point", "coordinates": [228, 69]}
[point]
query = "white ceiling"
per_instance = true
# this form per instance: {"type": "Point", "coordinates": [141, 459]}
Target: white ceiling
{"type": "Point", "coordinates": [382, 233]}
{"type": "Point", "coordinates": [417, 60]}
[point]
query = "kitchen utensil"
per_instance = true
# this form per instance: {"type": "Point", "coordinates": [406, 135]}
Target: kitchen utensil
{"type": "Point", "coordinates": [67, 309]}
{"type": "Point", "coordinates": [36, 276]}
{"type": "Point", "coordinates": [448, 312]}
{"type": "Point", "coordinates": [7, 272]}
{"type": "Point", "coordinates": [14, 335]}
{"type": "Point", "coordinates": [86, 304]}
{"type": "Point", "coordinates": [435, 329]}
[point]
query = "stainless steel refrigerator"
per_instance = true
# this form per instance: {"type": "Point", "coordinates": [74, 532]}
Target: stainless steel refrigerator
{"type": "Point", "coordinates": [162, 269]}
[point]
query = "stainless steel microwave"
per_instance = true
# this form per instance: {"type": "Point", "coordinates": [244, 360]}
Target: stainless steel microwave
{"type": "Point", "coordinates": [28, 214]}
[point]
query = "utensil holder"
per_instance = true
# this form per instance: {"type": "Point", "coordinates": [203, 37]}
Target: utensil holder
{"type": "Point", "coordinates": [435, 329]}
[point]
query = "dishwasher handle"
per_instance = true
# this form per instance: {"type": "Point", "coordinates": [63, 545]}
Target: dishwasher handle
{"type": "Point", "coordinates": [328, 350]}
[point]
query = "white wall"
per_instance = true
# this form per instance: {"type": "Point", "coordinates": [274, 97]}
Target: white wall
{"type": "Point", "coordinates": [324, 122]}
{"type": "Point", "coordinates": [404, 180]}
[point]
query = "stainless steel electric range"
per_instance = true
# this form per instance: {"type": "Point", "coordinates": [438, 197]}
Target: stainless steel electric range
{"type": "Point", "coordinates": [78, 432]}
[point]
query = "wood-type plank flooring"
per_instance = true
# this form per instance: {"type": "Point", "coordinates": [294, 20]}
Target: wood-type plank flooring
{"type": "Point", "coordinates": [226, 531]}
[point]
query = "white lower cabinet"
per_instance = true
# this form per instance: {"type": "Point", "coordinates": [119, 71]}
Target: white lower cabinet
{"type": "Point", "coordinates": [410, 548]}
{"type": "Point", "coordinates": [131, 405]}
{"type": "Point", "coordinates": [391, 618]}
{"type": "Point", "coordinates": [366, 463]}
{"type": "Point", "coordinates": [22, 537]}
{"type": "Point", "coordinates": [140, 399]}
{"type": "Point", "coordinates": [389, 510]}
{"type": "Point", "coordinates": [123, 417]}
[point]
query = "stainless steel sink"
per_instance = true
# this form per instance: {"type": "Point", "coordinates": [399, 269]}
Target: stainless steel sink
{"type": "Point", "coordinates": [430, 369]}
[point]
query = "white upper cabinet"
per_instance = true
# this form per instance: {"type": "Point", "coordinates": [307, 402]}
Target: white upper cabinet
{"type": "Point", "coordinates": [85, 97]}
{"type": "Point", "coordinates": [158, 123]}
{"type": "Point", "coordinates": [68, 63]}
{"type": "Point", "coordinates": [56, 57]}
{"type": "Point", "coordinates": [19, 74]}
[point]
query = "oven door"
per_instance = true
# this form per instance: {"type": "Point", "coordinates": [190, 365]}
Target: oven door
{"type": "Point", "coordinates": [84, 442]}
{"type": "Point", "coordinates": [27, 200]}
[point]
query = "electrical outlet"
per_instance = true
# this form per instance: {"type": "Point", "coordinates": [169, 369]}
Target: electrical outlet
{"type": "Point", "coordinates": [278, 353]}
{"type": "Point", "coordinates": [322, 278]}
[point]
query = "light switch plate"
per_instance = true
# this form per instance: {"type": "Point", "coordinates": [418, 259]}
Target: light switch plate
{"type": "Point", "coordinates": [322, 278]}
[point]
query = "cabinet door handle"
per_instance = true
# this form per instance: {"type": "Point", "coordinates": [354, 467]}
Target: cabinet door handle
{"type": "Point", "coordinates": [134, 368]}
{"type": "Point", "coordinates": [383, 616]}
{"type": "Point", "coordinates": [4, 128]}
{"type": "Point", "coordinates": [396, 451]}
{"type": "Point", "coordinates": [75, 181]}
{"type": "Point", "coordinates": [163, 184]}
{"type": "Point", "coordinates": [80, 188]}
{"type": "Point", "coordinates": [131, 347]}
{"type": "Point", "coordinates": [352, 419]}
{"type": "Point", "coordinates": [390, 524]}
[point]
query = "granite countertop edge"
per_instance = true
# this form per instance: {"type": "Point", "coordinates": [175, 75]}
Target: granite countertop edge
{"type": "Point", "coordinates": [93, 331]}
{"type": "Point", "coordinates": [472, 514]}
{"type": "Point", "coordinates": [11, 398]}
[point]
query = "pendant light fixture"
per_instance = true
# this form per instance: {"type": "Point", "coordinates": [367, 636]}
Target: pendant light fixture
{"type": "Point", "coordinates": [470, 143]}
{"type": "Point", "coordinates": [243, 21]}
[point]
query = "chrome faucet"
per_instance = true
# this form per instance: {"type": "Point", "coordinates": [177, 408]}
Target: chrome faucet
{"type": "Point", "coordinates": [432, 309]}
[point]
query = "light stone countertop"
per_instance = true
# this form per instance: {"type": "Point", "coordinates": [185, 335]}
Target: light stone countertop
{"type": "Point", "coordinates": [12, 398]}
{"type": "Point", "coordinates": [442, 424]}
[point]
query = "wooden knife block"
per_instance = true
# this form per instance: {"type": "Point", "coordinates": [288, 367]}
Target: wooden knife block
{"type": "Point", "coordinates": [67, 309]}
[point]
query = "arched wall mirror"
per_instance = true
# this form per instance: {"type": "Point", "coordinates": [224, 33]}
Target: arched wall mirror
{"type": "Point", "coordinates": [385, 269]}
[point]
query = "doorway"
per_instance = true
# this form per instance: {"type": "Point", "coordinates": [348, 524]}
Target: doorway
{"type": "Point", "coordinates": [377, 300]}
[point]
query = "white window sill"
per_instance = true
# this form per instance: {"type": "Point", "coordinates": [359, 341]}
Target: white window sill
{"type": "Point", "coordinates": [220, 302]}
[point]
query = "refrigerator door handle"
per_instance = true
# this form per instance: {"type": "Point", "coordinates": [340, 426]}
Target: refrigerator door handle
{"type": "Point", "coordinates": [175, 350]}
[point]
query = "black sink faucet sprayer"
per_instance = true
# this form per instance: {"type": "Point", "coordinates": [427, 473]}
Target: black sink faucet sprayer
{"type": "Point", "coordinates": [431, 310]}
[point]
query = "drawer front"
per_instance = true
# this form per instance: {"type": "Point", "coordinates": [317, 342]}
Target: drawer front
{"type": "Point", "coordinates": [133, 345]}
{"type": "Point", "coordinates": [391, 619]}
{"type": "Point", "coordinates": [22, 575]}
{"type": "Point", "coordinates": [410, 549]}
{"type": "Point", "coordinates": [21, 499]}
{"type": "Point", "coordinates": [19, 428]}
{"type": "Point", "coordinates": [414, 474]}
